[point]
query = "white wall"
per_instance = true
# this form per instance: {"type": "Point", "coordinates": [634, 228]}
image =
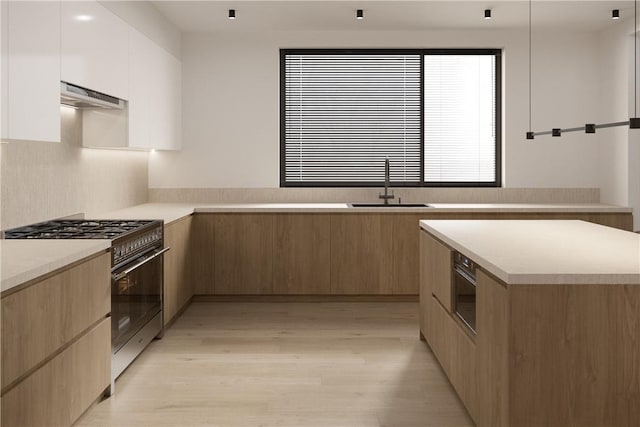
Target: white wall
{"type": "Point", "coordinates": [619, 148]}
{"type": "Point", "coordinates": [231, 104]}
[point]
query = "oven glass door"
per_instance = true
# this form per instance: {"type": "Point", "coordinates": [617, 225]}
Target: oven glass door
{"type": "Point", "coordinates": [136, 297]}
{"type": "Point", "coordinates": [465, 298]}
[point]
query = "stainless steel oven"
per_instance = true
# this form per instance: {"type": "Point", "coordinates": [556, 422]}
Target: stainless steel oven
{"type": "Point", "coordinates": [464, 290]}
{"type": "Point", "coordinates": [136, 277]}
{"type": "Point", "coordinates": [136, 306]}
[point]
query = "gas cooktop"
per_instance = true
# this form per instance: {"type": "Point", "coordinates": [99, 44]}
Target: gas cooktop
{"type": "Point", "coordinates": [77, 229]}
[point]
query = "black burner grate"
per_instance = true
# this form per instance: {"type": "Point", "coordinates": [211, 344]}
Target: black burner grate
{"type": "Point", "coordinates": [76, 229]}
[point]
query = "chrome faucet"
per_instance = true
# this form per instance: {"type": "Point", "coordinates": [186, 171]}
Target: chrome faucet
{"type": "Point", "coordinates": [387, 182]}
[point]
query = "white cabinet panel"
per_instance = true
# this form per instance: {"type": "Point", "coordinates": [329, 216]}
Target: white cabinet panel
{"type": "Point", "coordinates": [4, 119]}
{"type": "Point", "coordinates": [140, 90]}
{"type": "Point", "coordinates": [32, 64]}
{"type": "Point", "coordinates": [155, 104]}
{"type": "Point", "coordinates": [166, 114]}
{"type": "Point", "coordinates": [95, 48]}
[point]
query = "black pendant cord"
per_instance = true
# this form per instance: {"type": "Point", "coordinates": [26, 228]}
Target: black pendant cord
{"type": "Point", "coordinates": [529, 65]}
{"type": "Point", "coordinates": [530, 134]}
{"type": "Point", "coordinates": [633, 122]}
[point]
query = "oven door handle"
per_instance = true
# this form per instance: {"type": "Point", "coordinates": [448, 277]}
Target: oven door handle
{"type": "Point", "coordinates": [466, 276]}
{"type": "Point", "coordinates": [139, 264]}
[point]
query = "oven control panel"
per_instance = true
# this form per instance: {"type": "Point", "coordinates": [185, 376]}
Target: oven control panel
{"type": "Point", "coordinates": [140, 243]}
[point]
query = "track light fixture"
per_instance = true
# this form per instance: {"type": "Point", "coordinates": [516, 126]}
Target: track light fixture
{"type": "Point", "coordinates": [232, 14]}
{"type": "Point", "coordinates": [359, 14]}
{"type": "Point", "coordinates": [487, 14]}
{"type": "Point", "coordinates": [633, 122]}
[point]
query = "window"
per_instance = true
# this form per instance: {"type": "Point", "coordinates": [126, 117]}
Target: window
{"type": "Point", "coordinates": [434, 113]}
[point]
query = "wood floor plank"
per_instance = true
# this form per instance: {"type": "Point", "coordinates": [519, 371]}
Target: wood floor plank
{"type": "Point", "coordinates": [286, 364]}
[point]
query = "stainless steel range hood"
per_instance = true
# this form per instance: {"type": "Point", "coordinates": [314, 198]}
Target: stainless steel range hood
{"type": "Point", "coordinates": [80, 97]}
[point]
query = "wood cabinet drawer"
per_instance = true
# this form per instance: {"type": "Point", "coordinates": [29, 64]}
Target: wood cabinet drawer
{"type": "Point", "coordinates": [456, 353]}
{"type": "Point", "coordinates": [38, 320]}
{"type": "Point", "coordinates": [59, 392]}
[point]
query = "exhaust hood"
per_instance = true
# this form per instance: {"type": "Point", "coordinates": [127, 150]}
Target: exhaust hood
{"type": "Point", "coordinates": [80, 97]}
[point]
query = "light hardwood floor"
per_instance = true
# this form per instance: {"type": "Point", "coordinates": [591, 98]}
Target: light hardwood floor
{"type": "Point", "coordinates": [285, 364]}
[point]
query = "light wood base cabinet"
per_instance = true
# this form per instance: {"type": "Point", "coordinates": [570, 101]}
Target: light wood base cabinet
{"type": "Point", "coordinates": [60, 391]}
{"type": "Point", "coordinates": [544, 355]}
{"type": "Point", "coordinates": [454, 347]}
{"type": "Point", "coordinates": [320, 254]}
{"type": "Point", "coordinates": [41, 318]}
{"type": "Point", "coordinates": [178, 285]}
{"type": "Point", "coordinates": [301, 254]}
{"type": "Point", "coordinates": [56, 345]}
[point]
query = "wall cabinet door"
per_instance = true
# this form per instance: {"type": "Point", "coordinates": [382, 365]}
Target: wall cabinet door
{"type": "Point", "coordinates": [95, 48]}
{"type": "Point", "coordinates": [31, 71]}
{"type": "Point", "coordinates": [155, 104]}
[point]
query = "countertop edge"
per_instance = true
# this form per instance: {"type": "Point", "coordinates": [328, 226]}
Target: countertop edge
{"type": "Point", "coordinates": [22, 277]}
{"type": "Point", "coordinates": [533, 278]}
{"type": "Point", "coordinates": [172, 212]}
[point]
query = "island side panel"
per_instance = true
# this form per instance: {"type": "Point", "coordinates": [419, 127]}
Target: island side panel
{"type": "Point", "coordinates": [492, 311]}
{"type": "Point", "coordinates": [573, 355]}
{"type": "Point", "coordinates": [627, 301]}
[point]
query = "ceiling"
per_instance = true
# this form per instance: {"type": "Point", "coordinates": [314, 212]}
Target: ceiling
{"type": "Point", "coordinates": [339, 15]}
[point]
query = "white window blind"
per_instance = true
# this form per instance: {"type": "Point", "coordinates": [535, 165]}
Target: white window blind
{"type": "Point", "coordinates": [459, 118]}
{"type": "Point", "coordinates": [345, 113]}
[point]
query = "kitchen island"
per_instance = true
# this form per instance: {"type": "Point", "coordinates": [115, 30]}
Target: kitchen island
{"type": "Point", "coordinates": [557, 320]}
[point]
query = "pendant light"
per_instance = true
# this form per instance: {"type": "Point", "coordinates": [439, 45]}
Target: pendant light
{"type": "Point", "coordinates": [633, 122]}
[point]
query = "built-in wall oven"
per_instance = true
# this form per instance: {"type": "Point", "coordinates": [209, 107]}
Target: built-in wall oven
{"type": "Point", "coordinates": [464, 290]}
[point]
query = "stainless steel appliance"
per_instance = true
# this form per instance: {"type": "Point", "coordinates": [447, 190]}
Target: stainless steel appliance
{"type": "Point", "coordinates": [80, 97]}
{"type": "Point", "coordinates": [464, 290]}
{"type": "Point", "coordinates": [136, 277]}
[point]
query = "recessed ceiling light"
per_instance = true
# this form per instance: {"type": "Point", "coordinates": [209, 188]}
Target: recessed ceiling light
{"type": "Point", "coordinates": [83, 18]}
{"type": "Point", "coordinates": [487, 14]}
{"type": "Point", "coordinates": [615, 14]}
{"type": "Point", "coordinates": [232, 14]}
{"type": "Point", "coordinates": [359, 14]}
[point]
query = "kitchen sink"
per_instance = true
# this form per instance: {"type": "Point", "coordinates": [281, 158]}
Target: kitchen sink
{"type": "Point", "coordinates": [390, 205]}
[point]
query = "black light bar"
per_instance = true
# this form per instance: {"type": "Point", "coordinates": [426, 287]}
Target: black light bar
{"type": "Point", "coordinates": [634, 123]}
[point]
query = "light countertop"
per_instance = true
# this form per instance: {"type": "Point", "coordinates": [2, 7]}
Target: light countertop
{"type": "Point", "coordinates": [25, 260]}
{"type": "Point", "coordinates": [544, 251]}
{"type": "Point", "coordinates": [170, 212]}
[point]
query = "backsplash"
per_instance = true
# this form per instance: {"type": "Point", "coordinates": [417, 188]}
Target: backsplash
{"type": "Point", "coordinates": [42, 181]}
{"type": "Point", "coordinates": [346, 195]}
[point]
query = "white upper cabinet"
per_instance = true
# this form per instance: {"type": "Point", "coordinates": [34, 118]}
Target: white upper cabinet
{"type": "Point", "coordinates": [31, 71]}
{"type": "Point", "coordinates": [155, 104]}
{"type": "Point", "coordinates": [4, 118]}
{"type": "Point", "coordinates": [95, 48]}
